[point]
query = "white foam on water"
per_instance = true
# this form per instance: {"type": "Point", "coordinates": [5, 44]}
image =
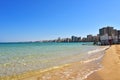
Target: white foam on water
{"type": "Point", "coordinates": [98, 50]}
{"type": "Point", "coordinates": [90, 60]}
{"type": "Point", "coordinates": [93, 59]}
{"type": "Point", "coordinates": [86, 76]}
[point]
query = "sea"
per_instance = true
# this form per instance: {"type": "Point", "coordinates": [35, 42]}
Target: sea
{"type": "Point", "coordinates": [18, 58]}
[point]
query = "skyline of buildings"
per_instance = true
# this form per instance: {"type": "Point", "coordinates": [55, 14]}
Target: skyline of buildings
{"type": "Point", "coordinates": [88, 38]}
{"type": "Point", "coordinates": [106, 35]}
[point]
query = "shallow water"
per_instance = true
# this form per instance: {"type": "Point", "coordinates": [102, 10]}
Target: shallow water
{"type": "Point", "coordinates": [16, 58]}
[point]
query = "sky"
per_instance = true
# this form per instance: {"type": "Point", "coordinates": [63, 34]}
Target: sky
{"type": "Point", "coordinates": [33, 20]}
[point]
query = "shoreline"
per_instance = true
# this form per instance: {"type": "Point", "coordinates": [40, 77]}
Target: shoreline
{"type": "Point", "coordinates": [39, 74]}
{"type": "Point", "coordinates": [69, 71]}
{"type": "Point", "coordinates": [111, 65]}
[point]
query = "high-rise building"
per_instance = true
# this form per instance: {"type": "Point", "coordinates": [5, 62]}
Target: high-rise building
{"type": "Point", "coordinates": [84, 39]}
{"type": "Point", "coordinates": [115, 36]}
{"type": "Point", "coordinates": [79, 39]}
{"type": "Point", "coordinates": [74, 39]}
{"type": "Point", "coordinates": [108, 35]}
{"type": "Point", "coordinates": [118, 36]}
{"type": "Point", "coordinates": [96, 38]}
{"type": "Point", "coordinates": [89, 38]}
{"type": "Point", "coordinates": [106, 30]}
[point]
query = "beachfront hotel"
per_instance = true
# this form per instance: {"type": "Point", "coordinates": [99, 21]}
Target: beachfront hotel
{"type": "Point", "coordinates": [109, 35]}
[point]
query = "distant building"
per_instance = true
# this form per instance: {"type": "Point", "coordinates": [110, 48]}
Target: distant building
{"type": "Point", "coordinates": [58, 40]}
{"type": "Point", "coordinates": [115, 36]}
{"type": "Point", "coordinates": [118, 36]}
{"type": "Point", "coordinates": [74, 39]}
{"type": "Point", "coordinates": [108, 35]}
{"type": "Point", "coordinates": [84, 39]}
{"type": "Point", "coordinates": [89, 38]}
{"type": "Point", "coordinates": [79, 39]}
{"type": "Point", "coordinates": [66, 40]}
{"type": "Point", "coordinates": [96, 38]}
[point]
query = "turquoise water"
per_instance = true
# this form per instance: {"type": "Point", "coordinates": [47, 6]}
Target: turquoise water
{"type": "Point", "coordinates": [16, 58]}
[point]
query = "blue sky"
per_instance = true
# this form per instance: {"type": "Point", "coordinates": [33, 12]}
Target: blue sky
{"type": "Point", "coordinates": [31, 20]}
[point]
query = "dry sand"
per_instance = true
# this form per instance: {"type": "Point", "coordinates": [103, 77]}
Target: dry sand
{"type": "Point", "coordinates": [111, 65]}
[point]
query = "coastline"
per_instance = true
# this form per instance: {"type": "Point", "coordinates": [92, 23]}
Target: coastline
{"type": "Point", "coordinates": [111, 65]}
{"type": "Point", "coordinates": [63, 72]}
{"type": "Point", "coordinates": [70, 71]}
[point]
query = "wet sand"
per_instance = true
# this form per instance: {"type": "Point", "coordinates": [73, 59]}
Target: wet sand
{"type": "Point", "coordinates": [66, 72]}
{"type": "Point", "coordinates": [111, 65]}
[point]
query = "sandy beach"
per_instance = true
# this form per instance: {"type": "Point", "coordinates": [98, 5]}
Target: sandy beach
{"type": "Point", "coordinates": [110, 70]}
{"type": "Point", "coordinates": [111, 65]}
{"type": "Point", "coordinates": [66, 72]}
